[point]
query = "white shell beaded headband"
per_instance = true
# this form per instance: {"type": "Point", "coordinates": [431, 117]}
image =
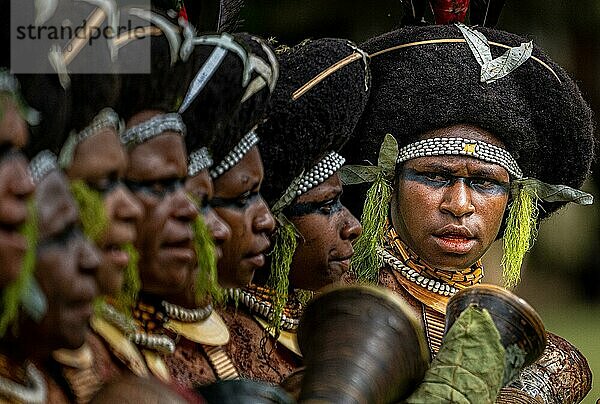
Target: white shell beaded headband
{"type": "Point", "coordinates": [443, 146]}
{"type": "Point", "coordinates": [42, 164]}
{"type": "Point", "coordinates": [199, 160]}
{"type": "Point", "coordinates": [235, 155]}
{"type": "Point", "coordinates": [9, 84]}
{"type": "Point", "coordinates": [107, 118]}
{"type": "Point", "coordinates": [153, 127]}
{"type": "Point", "coordinates": [318, 174]}
{"type": "Point", "coordinates": [223, 44]}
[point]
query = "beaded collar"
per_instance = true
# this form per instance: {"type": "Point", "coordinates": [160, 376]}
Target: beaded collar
{"type": "Point", "coordinates": [172, 311]}
{"type": "Point", "coordinates": [259, 301]}
{"type": "Point", "coordinates": [31, 387]}
{"type": "Point", "coordinates": [151, 321]}
{"type": "Point", "coordinates": [412, 269]}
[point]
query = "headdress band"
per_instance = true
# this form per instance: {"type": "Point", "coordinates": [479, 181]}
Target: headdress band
{"type": "Point", "coordinates": [199, 160]}
{"type": "Point", "coordinates": [443, 146]}
{"type": "Point", "coordinates": [107, 118]}
{"type": "Point", "coordinates": [153, 127]}
{"type": "Point", "coordinates": [358, 54]}
{"type": "Point", "coordinates": [455, 40]}
{"type": "Point", "coordinates": [324, 169]}
{"type": "Point", "coordinates": [235, 155]}
{"type": "Point", "coordinates": [41, 165]}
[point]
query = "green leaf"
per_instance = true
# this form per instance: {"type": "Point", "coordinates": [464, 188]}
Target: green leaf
{"type": "Point", "coordinates": [388, 155]}
{"type": "Point", "coordinates": [553, 193]}
{"type": "Point", "coordinates": [355, 174]}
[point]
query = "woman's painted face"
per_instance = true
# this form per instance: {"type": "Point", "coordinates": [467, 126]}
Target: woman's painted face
{"type": "Point", "coordinates": [66, 265]}
{"type": "Point", "coordinates": [237, 200]}
{"type": "Point", "coordinates": [15, 187]}
{"type": "Point", "coordinates": [201, 188]}
{"type": "Point", "coordinates": [156, 175]}
{"type": "Point", "coordinates": [326, 230]}
{"type": "Point", "coordinates": [101, 162]}
{"type": "Point", "coordinates": [449, 209]}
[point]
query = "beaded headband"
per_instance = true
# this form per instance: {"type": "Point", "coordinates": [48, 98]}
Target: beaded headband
{"type": "Point", "coordinates": [324, 169]}
{"type": "Point", "coordinates": [444, 146]}
{"type": "Point", "coordinates": [9, 84]}
{"type": "Point", "coordinates": [235, 155]}
{"type": "Point", "coordinates": [42, 164]}
{"type": "Point", "coordinates": [153, 127]}
{"type": "Point", "coordinates": [107, 118]}
{"type": "Point", "coordinates": [199, 160]}
{"type": "Point", "coordinates": [224, 43]}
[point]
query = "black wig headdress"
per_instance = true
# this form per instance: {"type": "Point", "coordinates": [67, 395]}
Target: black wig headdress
{"type": "Point", "coordinates": [221, 73]}
{"type": "Point", "coordinates": [322, 92]}
{"type": "Point", "coordinates": [498, 81]}
{"type": "Point", "coordinates": [238, 135]}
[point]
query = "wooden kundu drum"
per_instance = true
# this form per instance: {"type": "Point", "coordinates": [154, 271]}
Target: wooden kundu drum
{"type": "Point", "coordinates": [521, 329]}
{"type": "Point", "coordinates": [360, 344]}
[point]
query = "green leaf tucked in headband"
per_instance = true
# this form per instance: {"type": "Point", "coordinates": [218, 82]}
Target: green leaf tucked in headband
{"type": "Point", "coordinates": [365, 263]}
{"type": "Point", "coordinates": [550, 192]}
{"type": "Point", "coordinates": [386, 165]}
{"type": "Point", "coordinates": [388, 155]}
{"type": "Point", "coordinates": [521, 224]}
{"type": "Point", "coordinates": [284, 245]}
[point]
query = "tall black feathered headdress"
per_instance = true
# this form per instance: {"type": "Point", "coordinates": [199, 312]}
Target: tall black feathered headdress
{"type": "Point", "coordinates": [430, 77]}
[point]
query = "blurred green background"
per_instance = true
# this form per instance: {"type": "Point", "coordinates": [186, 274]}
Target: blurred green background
{"type": "Point", "coordinates": [561, 277]}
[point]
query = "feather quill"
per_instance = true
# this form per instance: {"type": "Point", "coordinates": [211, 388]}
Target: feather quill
{"type": "Point", "coordinates": [486, 12]}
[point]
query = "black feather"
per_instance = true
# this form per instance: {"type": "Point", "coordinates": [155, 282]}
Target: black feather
{"type": "Point", "coordinates": [229, 15]}
{"type": "Point", "coordinates": [414, 12]}
{"type": "Point", "coordinates": [486, 12]}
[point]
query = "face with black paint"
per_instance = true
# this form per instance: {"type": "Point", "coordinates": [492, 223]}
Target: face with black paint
{"type": "Point", "coordinates": [200, 186]}
{"type": "Point", "coordinates": [326, 230]}
{"type": "Point", "coordinates": [66, 266]}
{"type": "Point", "coordinates": [449, 209]}
{"type": "Point", "coordinates": [237, 200]}
{"type": "Point", "coordinates": [101, 161]}
{"type": "Point", "coordinates": [15, 187]}
{"type": "Point", "coordinates": [156, 174]}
